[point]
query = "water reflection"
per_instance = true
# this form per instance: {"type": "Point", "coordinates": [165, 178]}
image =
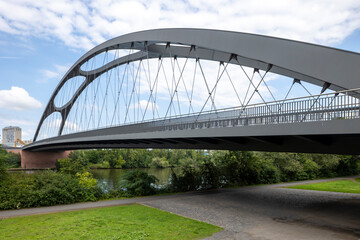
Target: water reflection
{"type": "Point", "coordinates": [110, 178]}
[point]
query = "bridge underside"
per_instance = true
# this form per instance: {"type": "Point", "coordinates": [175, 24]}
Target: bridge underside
{"type": "Point", "coordinates": [337, 136]}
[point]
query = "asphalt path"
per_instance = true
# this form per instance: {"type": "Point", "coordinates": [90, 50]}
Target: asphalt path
{"type": "Point", "coordinates": [256, 212]}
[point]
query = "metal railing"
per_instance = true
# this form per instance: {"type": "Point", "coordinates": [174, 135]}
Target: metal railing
{"type": "Point", "coordinates": [324, 107]}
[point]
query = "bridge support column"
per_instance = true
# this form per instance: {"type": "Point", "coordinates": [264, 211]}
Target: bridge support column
{"type": "Point", "coordinates": [41, 160]}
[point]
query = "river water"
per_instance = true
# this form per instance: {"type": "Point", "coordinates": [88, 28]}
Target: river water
{"type": "Point", "coordinates": [111, 177]}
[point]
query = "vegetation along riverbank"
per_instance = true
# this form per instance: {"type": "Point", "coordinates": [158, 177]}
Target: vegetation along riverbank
{"type": "Point", "coordinates": [72, 182]}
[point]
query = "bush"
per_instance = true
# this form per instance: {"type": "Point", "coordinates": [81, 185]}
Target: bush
{"type": "Point", "coordinates": [86, 180]}
{"type": "Point", "coordinates": [13, 160]}
{"type": "Point", "coordinates": [10, 160]}
{"type": "Point", "coordinates": [188, 180]}
{"type": "Point", "coordinates": [138, 183]}
{"type": "Point", "coordinates": [44, 189]}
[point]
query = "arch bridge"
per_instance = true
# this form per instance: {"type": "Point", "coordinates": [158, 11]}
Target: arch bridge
{"type": "Point", "coordinates": [210, 89]}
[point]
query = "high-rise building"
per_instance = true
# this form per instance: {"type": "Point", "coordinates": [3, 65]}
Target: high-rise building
{"type": "Point", "coordinates": [10, 135]}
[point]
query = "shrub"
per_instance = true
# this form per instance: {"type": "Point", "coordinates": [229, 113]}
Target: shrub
{"type": "Point", "coordinates": [138, 183]}
{"type": "Point", "coordinates": [86, 180]}
{"type": "Point", "coordinates": [13, 160]}
{"type": "Point", "coordinates": [45, 189]}
{"type": "Point", "coordinates": [188, 180]}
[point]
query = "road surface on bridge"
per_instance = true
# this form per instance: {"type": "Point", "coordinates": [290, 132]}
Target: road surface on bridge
{"type": "Point", "coordinates": [255, 212]}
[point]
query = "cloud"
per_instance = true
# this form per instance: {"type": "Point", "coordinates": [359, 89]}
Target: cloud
{"type": "Point", "coordinates": [15, 122]}
{"type": "Point", "coordinates": [18, 99]}
{"type": "Point", "coordinates": [84, 24]}
{"type": "Point", "coordinates": [9, 58]}
{"type": "Point", "coordinates": [56, 73]}
{"type": "Point", "coordinates": [27, 134]}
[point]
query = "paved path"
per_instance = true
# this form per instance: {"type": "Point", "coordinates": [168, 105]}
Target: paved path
{"type": "Point", "coordinates": [262, 212]}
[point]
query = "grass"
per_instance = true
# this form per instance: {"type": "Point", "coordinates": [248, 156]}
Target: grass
{"type": "Point", "coordinates": [345, 186]}
{"type": "Point", "coordinates": [120, 222]}
{"type": "Point", "coordinates": [357, 179]}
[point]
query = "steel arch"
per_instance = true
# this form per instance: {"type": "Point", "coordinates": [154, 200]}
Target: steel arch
{"type": "Point", "coordinates": [312, 63]}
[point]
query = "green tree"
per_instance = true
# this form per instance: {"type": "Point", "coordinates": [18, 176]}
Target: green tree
{"type": "Point", "coordinates": [75, 163]}
{"type": "Point", "coordinates": [116, 161]}
{"type": "Point", "coordinates": [93, 156]}
{"type": "Point", "coordinates": [138, 183]}
{"type": "Point", "coordinates": [240, 167]}
{"type": "Point", "coordinates": [158, 162]}
{"type": "Point", "coordinates": [348, 165]}
{"type": "Point", "coordinates": [3, 170]}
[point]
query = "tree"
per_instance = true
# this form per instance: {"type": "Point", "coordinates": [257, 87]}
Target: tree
{"type": "Point", "coordinates": [159, 162]}
{"type": "Point", "coordinates": [138, 183]}
{"type": "Point", "coordinates": [75, 163]}
{"type": "Point", "coordinates": [93, 156]}
{"type": "Point", "coordinates": [3, 170]}
{"type": "Point", "coordinates": [116, 162]}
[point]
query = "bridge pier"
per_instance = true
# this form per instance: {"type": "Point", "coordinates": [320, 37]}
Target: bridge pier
{"type": "Point", "coordinates": [41, 160]}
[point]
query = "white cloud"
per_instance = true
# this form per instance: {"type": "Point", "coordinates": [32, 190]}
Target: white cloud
{"type": "Point", "coordinates": [84, 24]}
{"type": "Point", "coordinates": [27, 134]}
{"type": "Point", "coordinates": [15, 122]}
{"type": "Point", "coordinates": [144, 105]}
{"type": "Point", "coordinates": [57, 73]}
{"type": "Point", "coordinates": [8, 58]}
{"type": "Point", "coordinates": [18, 99]}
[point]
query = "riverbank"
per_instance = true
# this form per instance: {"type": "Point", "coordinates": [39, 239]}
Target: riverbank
{"type": "Point", "coordinates": [145, 199]}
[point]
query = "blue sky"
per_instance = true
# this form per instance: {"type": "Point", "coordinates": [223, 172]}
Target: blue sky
{"type": "Point", "coordinates": [40, 40]}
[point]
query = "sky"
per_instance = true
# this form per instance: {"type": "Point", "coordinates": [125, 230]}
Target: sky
{"type": "Point", "coordinates": [40, 40]}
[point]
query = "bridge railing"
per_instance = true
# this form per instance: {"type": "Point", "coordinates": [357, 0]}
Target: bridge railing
{"type": "Point", "coordinates": [324, 107]}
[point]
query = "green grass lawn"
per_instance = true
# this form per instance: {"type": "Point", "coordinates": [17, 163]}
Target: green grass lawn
{"type": "Point", "coordinates": [345, 186]}
{"type": "Point", "coordinates": [121, 222]}
{"type": "Point", "coordinates": [357, 179]}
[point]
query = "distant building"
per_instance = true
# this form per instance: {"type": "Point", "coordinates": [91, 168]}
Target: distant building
{"type": "Point", "coordinates": [10, 135]}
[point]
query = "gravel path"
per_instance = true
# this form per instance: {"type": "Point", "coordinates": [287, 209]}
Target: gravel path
{"type": "Point", "coordinates": [272, 212]}
{"type": "Point", "coordinates": [260, 212]}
